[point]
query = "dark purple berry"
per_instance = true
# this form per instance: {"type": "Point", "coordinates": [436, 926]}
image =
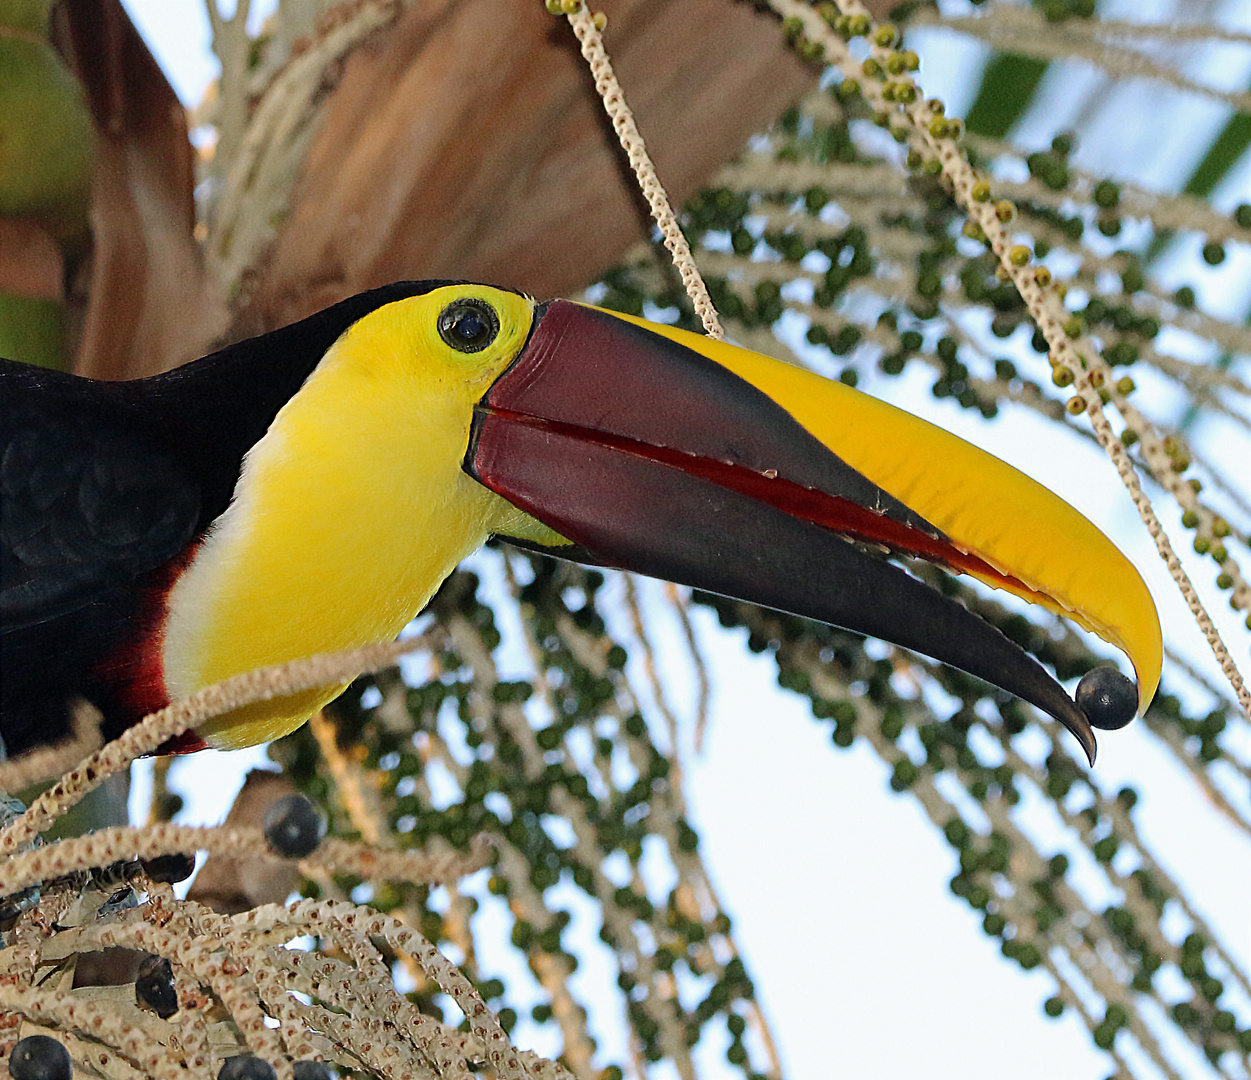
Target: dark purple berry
{"type": "Point", "coordinates": [246, 1067]}
{"type": "Point", "coordinates": [294, 826]}
{"type": "Point", "coordinates": [1108, 698]}
{"type": "Point", "coordinates": [154, 986]}
{"type": "Point", "coordinates": [312, 1070]}
{"type": "Point", "coordinates": [170, 868]}
{"type": "Point", "coordinates": [40, 1057]}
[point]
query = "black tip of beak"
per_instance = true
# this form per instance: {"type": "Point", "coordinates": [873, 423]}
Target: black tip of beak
{"type": "Point", "coordinates": [644, 453]}
{"type": "Point", "coordinates": [1107, 700]}
{"type": "Point", "coordinates": [1077, 723]}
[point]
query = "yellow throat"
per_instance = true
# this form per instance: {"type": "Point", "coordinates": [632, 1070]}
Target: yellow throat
{"type": "Point", "coordinates": [349, 512]}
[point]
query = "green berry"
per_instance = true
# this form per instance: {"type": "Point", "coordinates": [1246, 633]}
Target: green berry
{"type": "Point", "coordinates": [1213, 253]}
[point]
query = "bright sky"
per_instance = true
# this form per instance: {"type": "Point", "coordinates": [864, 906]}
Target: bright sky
{"type": "Point", "coordinates": [866, 965]}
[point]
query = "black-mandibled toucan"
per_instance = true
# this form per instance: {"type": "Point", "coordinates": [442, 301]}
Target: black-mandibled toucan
{"type": "Point", "coordinates": [308, 490]}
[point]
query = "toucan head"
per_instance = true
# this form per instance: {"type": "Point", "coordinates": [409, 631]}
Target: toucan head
{"type": "Point", "coordinates": [608, 439]}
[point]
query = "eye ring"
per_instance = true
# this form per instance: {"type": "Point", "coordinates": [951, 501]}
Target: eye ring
{"type": "Point", "coordinates": [468, 325]}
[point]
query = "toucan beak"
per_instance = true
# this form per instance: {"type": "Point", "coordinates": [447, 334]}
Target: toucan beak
{"type": "Point", "coordinates": [664, 452]}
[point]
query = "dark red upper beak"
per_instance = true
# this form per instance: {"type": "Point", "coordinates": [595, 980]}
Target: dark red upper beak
{"type": "Point", "coordinates": [651, 456]}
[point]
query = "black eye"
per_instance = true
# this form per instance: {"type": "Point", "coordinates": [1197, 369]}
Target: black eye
{"type": "Point", "coordinates": [468, 325]}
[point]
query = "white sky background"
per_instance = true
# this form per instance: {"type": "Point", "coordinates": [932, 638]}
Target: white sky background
{"type": "Point", "coordinates": [865, 964]}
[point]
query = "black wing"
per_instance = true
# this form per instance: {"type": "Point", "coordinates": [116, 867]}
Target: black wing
{"type": "Point", "coordinates": [102, 484]}
{"type": "Point", "coordinates": [85, 506]}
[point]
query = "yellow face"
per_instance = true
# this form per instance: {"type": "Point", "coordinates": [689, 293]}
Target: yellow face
{"type": "Point", "coordinates": [353, 507]}
{"type": "Point", "coordinates": [449, 343]}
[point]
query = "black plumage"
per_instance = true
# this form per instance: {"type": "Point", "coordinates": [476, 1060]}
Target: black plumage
{"type": "Point", "coordinates": [105, 488]}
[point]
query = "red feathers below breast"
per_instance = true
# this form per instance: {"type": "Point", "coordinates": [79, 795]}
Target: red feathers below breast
{"type": "Point", "coordinates": [134, 671]}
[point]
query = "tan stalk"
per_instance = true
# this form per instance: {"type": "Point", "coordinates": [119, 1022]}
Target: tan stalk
{"type": "Point", "coordinates": [596, 56]}
{"type": "Point", "coordinates": [118, 843]}
{"type": "Point", "coordinates": [155, 729]}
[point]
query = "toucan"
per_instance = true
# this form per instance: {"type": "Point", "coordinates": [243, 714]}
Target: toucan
{"type": "Point", "coordinates": [307, 491]}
